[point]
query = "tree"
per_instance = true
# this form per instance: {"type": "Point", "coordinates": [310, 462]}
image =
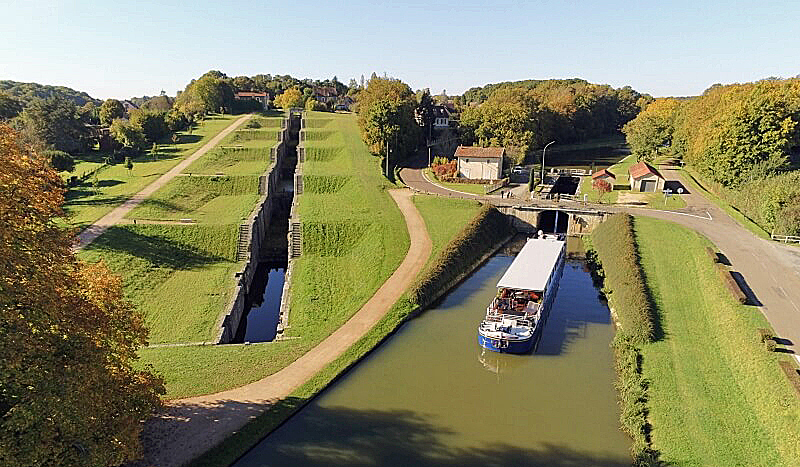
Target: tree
{"type": "Point", "coordinates": [10, 106]}
{"type": "Point", "coordinates": [313, 104]}
{"type": "Point", "coordinates": [54, 123]}
{"type": "Point", "coordinates": [127, 134]}
{"type": "Point", "coordinates": [650, 133]}
{"type": "Point", "coordinates": [152, 122]}
{"type": "Point", "coordinates": [386, 117]}
{"type": "Point", "coordinates": [111, 109]}
{"type": "Point", "coordinates": [601, 187]}
{"type": "Point", "coordinates": [129, 165]}
{"type": "Point", "coordinates": [290, 98]}
{"type": "Point", "coordinates": [424, 112]}
{"type": "Point", "coordinates": [59, 160]}
{"type": "Point", "coordinates": [70, 395]}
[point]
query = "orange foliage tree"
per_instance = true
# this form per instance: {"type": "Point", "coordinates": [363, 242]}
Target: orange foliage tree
{"type": "Point", "coordinates": [602, 187]}
{"type": "Point", "coordinates": [69, 395]}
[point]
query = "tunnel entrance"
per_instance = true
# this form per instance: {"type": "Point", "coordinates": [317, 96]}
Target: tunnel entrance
{"type": "Point", "coordinates": [553, 221]}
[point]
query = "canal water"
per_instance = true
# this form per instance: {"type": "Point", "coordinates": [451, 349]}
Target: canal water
{"type": "Point", "coordinates": [260, 323]}
{"type": "Point", "coordinates": [430, 396]}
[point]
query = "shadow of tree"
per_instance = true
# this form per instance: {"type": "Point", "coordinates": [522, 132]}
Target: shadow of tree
{"type": "Point", "coordinates": [336, 436]}
{"type": "Point", "coordinates": [157, 249]}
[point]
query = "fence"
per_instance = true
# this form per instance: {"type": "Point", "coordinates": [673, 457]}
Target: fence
{"type": "Point", "coordinates": [786, 238]}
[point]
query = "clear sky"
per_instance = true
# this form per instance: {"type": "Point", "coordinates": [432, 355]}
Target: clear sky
{"type": "Point", "coordinates": [125, 48]}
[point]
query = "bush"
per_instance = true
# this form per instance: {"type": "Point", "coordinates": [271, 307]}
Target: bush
{"type": "Point", "coordinates": [445, 169]}
{"type": "Point", "coordinates": [765, 334]}
{"type": "Point", "coordinates": [731, 284]}
{"type": "Point", "coordinates": [615, 244]}
{"type": "Point", "coordinates": [486, 228]}
{"type": "Point", "coordinates": [60, 160]}
{"type": "Point", "coordinates": [770, 345]}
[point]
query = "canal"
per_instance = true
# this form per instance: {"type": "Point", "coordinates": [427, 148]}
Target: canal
{"type": "Point", "coordinates": [430, 396]}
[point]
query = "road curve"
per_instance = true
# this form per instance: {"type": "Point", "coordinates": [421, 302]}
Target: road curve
{"type": "Point", "coordinates": [191, 426]}
{"type": "Point", "coordinates": [90, 233]}
{"type": "Point", "coordinates": [770, 270]}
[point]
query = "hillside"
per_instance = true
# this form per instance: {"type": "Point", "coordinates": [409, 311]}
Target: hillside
{"type": "Point", "coordinates": [27, 91]}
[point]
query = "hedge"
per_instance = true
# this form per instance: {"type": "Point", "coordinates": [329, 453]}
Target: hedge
{"type": "Point", "coordinates": [731, 284]}
{"type": "Point", "coordinates": [486, 228]}
{"type": "Point", "coordinates": [615, 244]}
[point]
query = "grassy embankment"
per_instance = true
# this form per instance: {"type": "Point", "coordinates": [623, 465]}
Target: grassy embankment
{"type": "Point", "coordinates": [705, 392]}
{"type": "Point", "coordinates": [181, 276]}
{"type": "Point", "coordinates": [85, 205]}
{"type": "Point", "coordinates": [354, 238]}
{"type": "Point", "coordinates": [460, 232]}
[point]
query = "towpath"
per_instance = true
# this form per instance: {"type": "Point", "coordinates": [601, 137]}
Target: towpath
{"type": "Point", "coordinates": [770, 270]}
{"type": "Point", "coordinates": [90, 234]}
{"type": "Point", "coordinates": [191, 426]}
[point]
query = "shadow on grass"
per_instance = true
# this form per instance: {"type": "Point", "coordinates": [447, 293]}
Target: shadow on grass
{"type": "Point", "coordinates": [340, 436]}
{"type": "Point", "coordinates": [158, 250]}
{"type": "Point", "coordinates": [161, 206]}
{"type": "Point", "coordinates": [101, 201]}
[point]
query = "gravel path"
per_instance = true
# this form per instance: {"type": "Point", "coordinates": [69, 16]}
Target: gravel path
{"type": "Point", "coordinates": [191, 426]}
{"type": "Point", "coordinates": [90, 234]}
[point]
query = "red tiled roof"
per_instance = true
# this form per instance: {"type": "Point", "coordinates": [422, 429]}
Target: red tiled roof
{"type": "Point", "coordinates": [641, 169]}
{"type": "Point", "coordinates": [472, 151]}
{"type": "Point", "coordinates": [250, 94]}
{"type": "Point", "coordinates": [603, 173]}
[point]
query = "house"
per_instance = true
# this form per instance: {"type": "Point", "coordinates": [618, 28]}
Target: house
{"type": "Point", "coordinates": [129, 106]}
{"type": "Point", "coordinates": [261, 97]}
{"type": "Point", "coordinates": [344, 103]}
{"type": "Point", "coordinates": [645, 178]}
{"type": "Point", "coordinates": [441, 117]}
{"type": "Point", "coordinates": [605, 175]}
{"type": "Point", "coordinates": [480, 163]}
{"type": "Point", "coordinates": [325, 94]}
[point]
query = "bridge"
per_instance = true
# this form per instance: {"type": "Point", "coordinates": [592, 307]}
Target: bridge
{"type": "Point", "coordinates": [553, 219]}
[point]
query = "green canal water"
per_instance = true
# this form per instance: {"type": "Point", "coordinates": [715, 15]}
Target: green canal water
{"type": "Point", "coordinates": [430, 396]}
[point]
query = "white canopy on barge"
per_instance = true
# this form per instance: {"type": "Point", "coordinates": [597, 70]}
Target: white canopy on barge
{"type": "Point", "coordinates": [533, 266]}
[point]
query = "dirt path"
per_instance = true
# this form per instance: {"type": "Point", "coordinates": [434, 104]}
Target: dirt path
{"type": "Point", "coordinates": [193, 425]}
{"type": "Point", "coordinates": [89, 234]}
{"type": "Point", "coordinates": [770, 270]}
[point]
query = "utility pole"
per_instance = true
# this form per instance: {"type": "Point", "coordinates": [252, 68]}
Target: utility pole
{"type": "Point", "coordinates": [543, 152]}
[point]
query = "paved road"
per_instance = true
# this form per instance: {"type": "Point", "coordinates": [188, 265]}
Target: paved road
{"type": "Point", "coordinates": [90, 234]}
{"type": "Point", "coordinates": [193, 425]}
{"type": "Point", "coordinates": [770, 269]}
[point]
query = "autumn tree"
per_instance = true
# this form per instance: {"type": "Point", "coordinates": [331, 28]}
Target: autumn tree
{"type": "Point", "coordinates": [602, 187]}
{"type": "Point", "coordinates": [290, 98]}
{"type": "Point", "coordinates": [69, 395]}
{"type": "Point", "coordinates": [111, 109]}
{"type": "Point", "coordinates": [650, 133]}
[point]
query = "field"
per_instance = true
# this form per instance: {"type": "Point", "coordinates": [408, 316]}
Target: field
{"type": "Point", "coordinates": [87, 203]}
{"type": "Point", "coordinates": [354, 238]}
{"type": "Point", "coordinates": [717, 397]}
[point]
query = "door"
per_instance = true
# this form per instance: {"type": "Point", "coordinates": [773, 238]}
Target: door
{"type": "Point", "coordinates": [649, 185]}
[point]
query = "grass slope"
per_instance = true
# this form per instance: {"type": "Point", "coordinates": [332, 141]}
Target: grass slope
{"type": "Point", "coordinates": [84, 205]}
{"type": "Point", "coordinates": [444, 218]}
{"type": "Point", "coordinates": [716, 396]}
{"type": "Point", "coordinates": [354, 238]}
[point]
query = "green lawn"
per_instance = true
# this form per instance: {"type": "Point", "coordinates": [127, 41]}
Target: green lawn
{"type": "Point", "coordinates": [179, 277]}
{"type": "Point", "coordinates": [717, 397]}
{"type": "Point", "coordinates": [444, 218]}
{"type": "Point", "coordinates": [622, 185]}
{"type": "Point", "coordinates": [85, 205]}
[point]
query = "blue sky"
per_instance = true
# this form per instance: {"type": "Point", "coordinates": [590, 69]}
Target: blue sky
{"type": "Point", "coordinates": [125, 48]}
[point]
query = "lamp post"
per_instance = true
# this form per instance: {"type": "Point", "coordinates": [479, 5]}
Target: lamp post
{"type": "Point", "coordinates": [543, 152]}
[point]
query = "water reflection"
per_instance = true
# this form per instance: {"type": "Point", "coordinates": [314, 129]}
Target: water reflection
{"type": "Point", "coordinates": [430, 396]}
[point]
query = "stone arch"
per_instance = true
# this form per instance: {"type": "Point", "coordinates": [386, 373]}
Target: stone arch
{"type": "Point", "coordinates": [553, 221]}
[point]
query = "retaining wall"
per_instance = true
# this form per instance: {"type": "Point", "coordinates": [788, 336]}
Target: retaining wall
{"type": "Point", "coordinates": [256, 226]}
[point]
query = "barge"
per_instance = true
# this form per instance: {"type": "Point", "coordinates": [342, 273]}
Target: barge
{"type": "Point", "coordinates": [525, 294]}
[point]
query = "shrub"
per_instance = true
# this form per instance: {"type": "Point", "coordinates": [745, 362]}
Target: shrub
{"type": "Point", "coordinates": [731, 284]}
{"type": "Point", "coordinates": [770, 345]}
{"type": "Point", "coordinates": [446, 169]}
{"type": "Point", "coordinates": [792, 374]}
{"type": "Point", "coordinates": [60, 160]}
{"type": "Point", "coordinates": [485, 229]}
{"type": "Point", "coordinates": [615, 244]}
{"type": "Point", "coordinates": [765, 334]}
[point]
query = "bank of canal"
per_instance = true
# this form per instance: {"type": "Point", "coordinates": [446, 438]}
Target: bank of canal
{"type": "Point", "coordinates": [430, 396]}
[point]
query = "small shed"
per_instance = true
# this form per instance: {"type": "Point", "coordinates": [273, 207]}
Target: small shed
{"type": "Point", "coordinates": [480, 163]}
{"type": "Point", "coordinates": [645, 178]}
{"type": "Point", "coordinates": [605, 175]}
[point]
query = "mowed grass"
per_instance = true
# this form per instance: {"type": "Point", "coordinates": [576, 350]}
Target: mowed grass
{"type": "Point", "coordinates": [179, 277]}
{"type": "Point", "coordinates": [444, 218]}
{"type": "Point", "coordinates": [354, 238]}
{"type": "Point", "coordinates": [245, 151]}
{"type": "Point", "coordinates": [115, 184]}
{"type": "Point", "coordinates": [474, 188]}
{"type": "Point", "coordinates": [207, 200]}
{"type": "Point", "coordinates": [717, 397]}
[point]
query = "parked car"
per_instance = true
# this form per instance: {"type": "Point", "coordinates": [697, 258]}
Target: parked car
{"type": "Point", "coordinates": [519, 170]}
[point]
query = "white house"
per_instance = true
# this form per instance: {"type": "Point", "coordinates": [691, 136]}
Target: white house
{"type": "Point", "coordinates": [441, 117]}
{"type": "Point", "coordinates": [261, 97]}
{"type": "Point", "coordinates": [480, 163]}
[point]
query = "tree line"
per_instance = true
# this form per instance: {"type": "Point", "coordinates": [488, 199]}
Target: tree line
{"type": "Point", "coordinates": [742, 138]}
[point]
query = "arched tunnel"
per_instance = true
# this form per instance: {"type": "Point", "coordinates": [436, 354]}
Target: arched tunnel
{"type": "Point", "coordinates": [553, 221]}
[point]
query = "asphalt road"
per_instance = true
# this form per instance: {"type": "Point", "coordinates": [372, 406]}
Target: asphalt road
{"type": "Point", "coordinates": [769, 270]}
